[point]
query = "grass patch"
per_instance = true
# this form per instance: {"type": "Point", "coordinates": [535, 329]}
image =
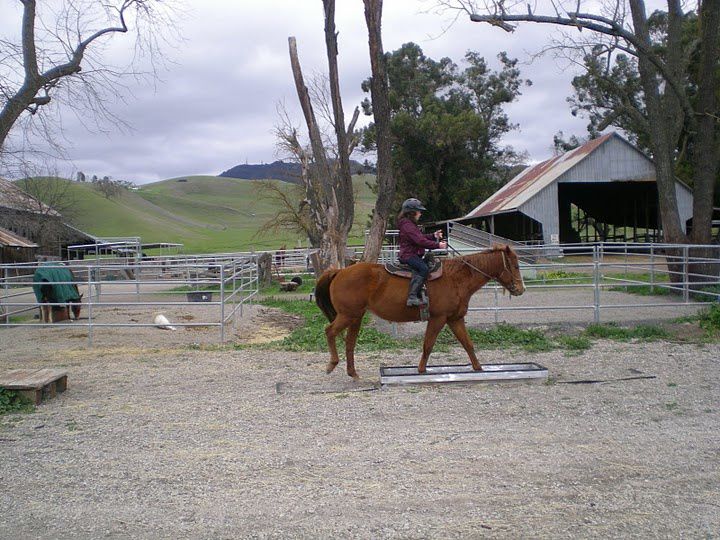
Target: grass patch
{"type": "Point", "coordinates": [505, 335]}
{"type": "Point", "coordinates": [575, 343]}
{"type": "Point", "coordinates": [642, 332]}
{"type": "Point", "coordinates": [12, 402]}
{"type": "Point", "coordinates": [644, 290]}
{"type": "Point", "coordinates": [560, 277]}
{"type": "Point", "coordinates": [308, 285]}
{"type": "Point", "coordinates": [709, 320]}
{"type": "Point", "coordinates": [311, 336]}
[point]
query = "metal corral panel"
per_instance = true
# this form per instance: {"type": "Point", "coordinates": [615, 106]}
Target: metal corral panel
{"type": "Point", "coordinates": [615, 161]}
{"type": "Point", "coordinates": [464, 373]}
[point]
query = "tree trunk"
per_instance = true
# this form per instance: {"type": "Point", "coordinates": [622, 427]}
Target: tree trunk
{"type": "Point", "coordinates": [381, 113]}
{"type": "Point", "coordinates": [342, 179]}
{"type": "Point", "coordinates": [706, 139]}
{"type": "Point", "coordinates": [329, 189]}
{"type": "Point", "coordinates": [659, 133]}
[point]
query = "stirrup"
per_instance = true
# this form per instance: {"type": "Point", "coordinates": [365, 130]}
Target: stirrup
{"type": "Point", "coordinates": [413, 301]}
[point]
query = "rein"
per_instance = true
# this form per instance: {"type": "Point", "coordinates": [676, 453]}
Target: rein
{"type": "Point", "coordinates": [505, 268]}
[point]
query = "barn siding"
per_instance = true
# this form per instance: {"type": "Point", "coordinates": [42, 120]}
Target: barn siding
{"type": "Point", "coordinates": [543, 208]}
{"type": "Point", "coordinates": [685, 204]}
{"type": "Point", "coordinates": [613, 161]}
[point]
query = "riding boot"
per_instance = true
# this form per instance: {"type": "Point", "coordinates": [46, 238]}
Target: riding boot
{"type": "Point", "coordinates": [416, 283]}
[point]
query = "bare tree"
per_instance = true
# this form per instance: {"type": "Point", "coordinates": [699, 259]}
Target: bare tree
{"type": "Point", "coordinates": [57, 60]}
{"type": "Point", "coordinates": [329, 183]}
{"type": "Point", "coordinates": [386, 182]}
{"type": "Point", "coordinates": [293, 212]}
{"type": "Point", "coordinates": [623, 26]}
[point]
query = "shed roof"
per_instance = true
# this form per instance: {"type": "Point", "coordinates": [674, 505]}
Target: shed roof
{"type": "Point", "coordinates": [13, 197]}
{"type": "Point", "coordinates": [10, 239]}
{"type": "Point", "coordinates": [535, 178]}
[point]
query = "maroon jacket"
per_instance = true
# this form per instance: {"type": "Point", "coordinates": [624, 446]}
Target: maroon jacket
{"type": "Point", "coordinates": [412, 241]}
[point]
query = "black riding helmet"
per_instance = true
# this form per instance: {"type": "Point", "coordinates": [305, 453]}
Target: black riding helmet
{"type": "Point", "coordinates": [413, 205]}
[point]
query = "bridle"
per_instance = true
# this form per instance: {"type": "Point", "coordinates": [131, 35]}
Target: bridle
{"type": "Point", "coordinates": [490, 278]}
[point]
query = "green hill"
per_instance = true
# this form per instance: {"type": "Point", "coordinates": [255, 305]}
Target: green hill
{"type": "Point", "coordinates": [205, 213]}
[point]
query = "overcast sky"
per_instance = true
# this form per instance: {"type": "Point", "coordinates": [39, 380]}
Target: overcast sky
{"type": "Point", "coordinates": [215, 105]}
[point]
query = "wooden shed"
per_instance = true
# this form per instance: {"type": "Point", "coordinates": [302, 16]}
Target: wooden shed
{"type": "Point", "coordinates": [603, 190]}
{"type": "Point", "coordinates": [15, 248]}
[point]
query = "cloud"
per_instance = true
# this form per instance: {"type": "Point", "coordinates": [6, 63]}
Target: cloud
{"type": "Point", "coordinates": [215, 105]}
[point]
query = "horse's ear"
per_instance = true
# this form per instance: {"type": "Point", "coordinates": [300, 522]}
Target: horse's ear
{"type": "Point", "coordinates": [81, 295]}
{"type": "Point", "coordinates": [507, 248]}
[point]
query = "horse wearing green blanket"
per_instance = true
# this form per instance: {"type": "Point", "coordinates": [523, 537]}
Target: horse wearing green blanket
{"type": "Point", "coordinates": [57, 293]}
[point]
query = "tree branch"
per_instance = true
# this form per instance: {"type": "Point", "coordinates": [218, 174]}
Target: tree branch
{"type": "Point", "coordinates": [601, 25]}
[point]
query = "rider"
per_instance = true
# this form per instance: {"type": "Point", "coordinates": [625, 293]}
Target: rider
{"type": "Point", "coordinates": [412, 246]}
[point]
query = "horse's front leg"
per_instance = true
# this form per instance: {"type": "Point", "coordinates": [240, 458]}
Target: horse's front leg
{"type": "Point", "coordinates": [458, 328]}
{"type": "Point", "coordinates": [435, 324]}
{"type": "Point", "coordinates": [331, 331]}
{"type": "Point", "coordinates": [350, 341]}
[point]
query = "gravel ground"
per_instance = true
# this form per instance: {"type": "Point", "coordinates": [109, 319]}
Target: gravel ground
{"type": "Point", "coordinates": [156, 439]}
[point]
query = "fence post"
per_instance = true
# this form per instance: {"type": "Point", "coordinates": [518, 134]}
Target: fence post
{"type": "Point", "coordinates": [686, 276]}
{"type": "Point", "coordinates": [90, 307]}
{"type": "Point", "coordinates": [626, 258]}
{"type": "Point", "coordinates": [652, 269]}
{"type": "Point", "coordinates": [222, 304]}
{"type": "Point", "coordinates": [495, 289]}
{"type": "Point", "coordinates": [7, 293]}
{"type": "Point", "coordinates": [234, 288]}
{"type": "Point", "coordinates": [596, 283]}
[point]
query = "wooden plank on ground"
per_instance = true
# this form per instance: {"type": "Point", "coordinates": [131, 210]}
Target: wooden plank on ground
{"type": "Point", "coordinates": [33, 378]}
{"type": "Point", "coordinates": [11, 377]}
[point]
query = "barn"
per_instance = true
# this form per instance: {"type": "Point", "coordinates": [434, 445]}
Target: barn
{"type": "Point", "coordinates": [604, 190]}
{"type": "Point", "coordinates": [25, 217]}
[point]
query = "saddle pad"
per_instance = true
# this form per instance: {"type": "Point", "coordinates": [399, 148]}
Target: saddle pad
{"type": "Point", "coordinates": [403, 270]}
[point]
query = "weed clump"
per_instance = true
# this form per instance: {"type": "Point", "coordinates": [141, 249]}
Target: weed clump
{"type": "Point", "coordinates": [11, 402]}
{"type": "Point", "coordinates": [710, 319]}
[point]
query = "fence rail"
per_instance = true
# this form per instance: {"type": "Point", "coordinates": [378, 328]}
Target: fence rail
{"type": "Point", "coordinates": [690, 273]}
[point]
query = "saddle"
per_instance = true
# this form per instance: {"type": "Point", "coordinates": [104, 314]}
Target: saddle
{"type": "Point", "coordinates": [405, 271]}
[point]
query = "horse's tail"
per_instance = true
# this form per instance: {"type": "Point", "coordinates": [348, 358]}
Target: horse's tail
{"type": "Point", "coordinates": [322, 294]}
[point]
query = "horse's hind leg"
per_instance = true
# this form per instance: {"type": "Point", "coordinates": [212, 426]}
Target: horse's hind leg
{"type": "Point", "coordinates": [431, 333]}
{"type": "Point", "coordinates": [458, 328]}
{"type": "Point", "coordinates": [350, 341]}
{"type": "Point", "coordinates": [340, 323]}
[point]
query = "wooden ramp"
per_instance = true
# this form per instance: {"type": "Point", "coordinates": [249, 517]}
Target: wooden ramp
{"type": "Point", "coordinates": [35, 384]}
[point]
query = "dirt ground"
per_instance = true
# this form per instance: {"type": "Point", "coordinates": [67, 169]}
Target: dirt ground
{"type": "Point", "coordinates": [163, 435]}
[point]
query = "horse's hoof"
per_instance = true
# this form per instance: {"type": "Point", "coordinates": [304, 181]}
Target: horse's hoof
{"type": "Point", "coordinates": [330, 367]}
{"type": "Point", "coordinates": [354, 375]}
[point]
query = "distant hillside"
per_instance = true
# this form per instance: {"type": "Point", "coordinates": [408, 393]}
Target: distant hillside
{"type": "Point", "coordinates": [281, 170]}
{"type": "Point", "coordinates": [205, 213]}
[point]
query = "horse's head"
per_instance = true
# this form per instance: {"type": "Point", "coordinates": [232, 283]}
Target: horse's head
{"type": "Point", "coordinates": [75, 306]}
{"type": "Point", "coordinates": [509, 275]}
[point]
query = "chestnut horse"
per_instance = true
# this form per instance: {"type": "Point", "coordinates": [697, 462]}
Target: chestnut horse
{"type": "Point", "coordinates": [345, 295]}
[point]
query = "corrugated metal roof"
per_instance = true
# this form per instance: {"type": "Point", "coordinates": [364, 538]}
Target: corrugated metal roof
{"type": "Point", "coordinates": [8, 238]}
{"type": "Point", "coordinates": [13, 197]}
{"type": "Point", "coordinates": [535, 178]}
